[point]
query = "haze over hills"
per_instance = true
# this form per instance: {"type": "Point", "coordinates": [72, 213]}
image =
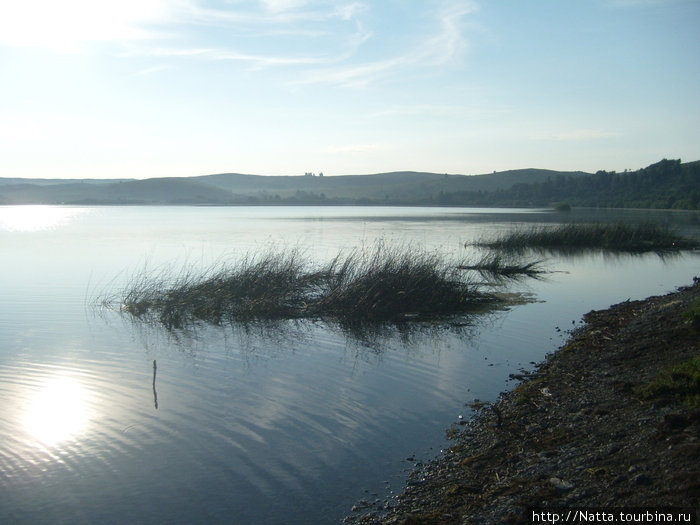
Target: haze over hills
{"type": "Point", "coordinates": [404, 187]}
{"type": "Point", "coordinates": [400, 186]}
{"type": "Point", "coordinates": [8, 181]}
{"type": "Point", "coordinates": [667, 183]}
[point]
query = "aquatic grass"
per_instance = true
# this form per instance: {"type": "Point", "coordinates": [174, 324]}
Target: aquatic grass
{"type": "Point", "coordinates": [268, 286]}
{"type": "Point", "coordinates": [380, 285]}
{"type": "Point", "coordinates": [394, 284]}
{"type": "Point", "coordinates": [620, 237]}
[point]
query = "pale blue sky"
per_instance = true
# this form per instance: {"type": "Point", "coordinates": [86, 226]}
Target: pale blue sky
{"type": "Point", "coordinates": [153, 88]}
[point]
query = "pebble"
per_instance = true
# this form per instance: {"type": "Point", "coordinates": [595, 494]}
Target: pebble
{"type": "Point", "coordinates": [641, 479]}
{"type": "Point", "coordinates": [561, 484]}
{"type": "Point", "coordinates": [614, 448]}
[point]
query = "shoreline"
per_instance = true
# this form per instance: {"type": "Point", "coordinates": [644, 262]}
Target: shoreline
{"type": "Point", "coordinates": [582, 430]}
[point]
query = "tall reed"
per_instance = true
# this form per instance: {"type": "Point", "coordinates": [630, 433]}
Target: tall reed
{"type": "Point", "coordinates": [382, 284]}
{"type": "Point", "coordinates": [391, 284]}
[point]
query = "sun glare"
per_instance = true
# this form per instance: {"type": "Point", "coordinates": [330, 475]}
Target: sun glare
{"type": "Point", "coordinates": [58, 411]}
{"type": "Point", "coordinates": [63, 27]}
{"type": "Point", "coordinates": [34, 218]}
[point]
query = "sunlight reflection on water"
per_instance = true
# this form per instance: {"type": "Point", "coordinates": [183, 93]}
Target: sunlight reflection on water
{"type": "Point", "coordinates": [57, 411]}
{"type": "Point", "coordinates": [35, 218]}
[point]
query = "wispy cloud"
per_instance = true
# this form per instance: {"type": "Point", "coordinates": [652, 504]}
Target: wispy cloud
{"type": "Point", "coordinates": [302, 33]}
{"type": "Point", "coordinates": [446, 45]}
{"type": "Point", "coordinates": [269, 14]}
{"type": "Point", "coordinates": [359, 75]}
{"type": "Point", "coordinates": [166, 52]}
{"type": "Point", "coordinates": [256, 61]}
{"type": "Point", "coordinates": [329, 42]}
{"type": "Point", "coordinates": [69, 26]}
{"type": "Point", "coordinates": [450, 43]}
{"type": "Point", "coordinates": [266, 60]}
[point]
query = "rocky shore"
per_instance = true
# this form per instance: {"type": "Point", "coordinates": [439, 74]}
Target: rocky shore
{"type": "Point", "coordinates": [610, 420]}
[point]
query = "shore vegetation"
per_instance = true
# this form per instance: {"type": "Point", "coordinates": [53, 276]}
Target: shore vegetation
{"type": "Point", "coordinates": [618, 237]}
{"type": "Point", "coordinates": [680, 381]}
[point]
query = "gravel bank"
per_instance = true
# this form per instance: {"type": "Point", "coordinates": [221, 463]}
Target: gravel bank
{"type": "Point", "coordinates": [584, 430]}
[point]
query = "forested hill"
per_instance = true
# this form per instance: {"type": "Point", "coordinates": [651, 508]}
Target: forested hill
{"type": "Point", "coordinates": [666, 184]}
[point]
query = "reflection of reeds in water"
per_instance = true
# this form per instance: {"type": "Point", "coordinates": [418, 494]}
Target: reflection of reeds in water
{"type": "Point", "coordinates": [383, 284]}
{"type": "Point", "coordinates": [619, 237]}
{"type": "Point", "coordinates": [499, 267]}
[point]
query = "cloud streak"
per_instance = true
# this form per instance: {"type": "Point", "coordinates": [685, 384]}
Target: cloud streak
{"type": "Point", "coordinates": [449, 43]}
{"type": "Point", "coordinates": [328, 43]}
{"type": "Point", "coordinates": [331, 43]}
{"type": "Point", "coordinates": [281, 33]}
{"type": "Point", "coordinates": [447, 46]}
{"type": "Point", "coordinates": [70, 25]}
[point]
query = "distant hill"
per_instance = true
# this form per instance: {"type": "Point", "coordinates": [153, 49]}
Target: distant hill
{"type": "Point", "coordinates": [668, 184]}
{"type": "Point", "coordinates": [665, 184]}
{"type": "Point", "coordinates": [150, 191]}
{"type": "Point", "coordinates": [406, 187]}
{"type": "Point", "coordinates": [52, 182]}
{"type": "Point", "coordinates": [395, 187]}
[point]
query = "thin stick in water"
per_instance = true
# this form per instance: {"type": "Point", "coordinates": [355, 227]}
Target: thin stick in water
{"type": "Point", "coordinates": [155, 394]}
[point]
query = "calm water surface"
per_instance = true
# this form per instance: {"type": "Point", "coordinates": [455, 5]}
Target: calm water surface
{"type": "Point", "coordinates": [285, 425]}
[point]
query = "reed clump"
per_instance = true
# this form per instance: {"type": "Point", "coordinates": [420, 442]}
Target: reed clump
{"type": "Point", "coordinates": [621, 237]}
{"type": "Point", "coordinates": [268, 286]}
{"type": "Point", "coordinates": [383, 284]}
{"type": "Point", "coordinates": [394, 284]}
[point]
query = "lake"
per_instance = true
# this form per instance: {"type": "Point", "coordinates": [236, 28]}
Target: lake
{"type": "Point", "coordinates": [286, 424]}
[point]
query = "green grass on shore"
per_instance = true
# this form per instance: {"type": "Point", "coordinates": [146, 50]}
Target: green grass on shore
{"type": "Point", "coordinates": [680, 382]}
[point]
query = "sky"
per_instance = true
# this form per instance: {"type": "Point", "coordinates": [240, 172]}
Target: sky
{"type": "Point", "coordinates": [156, 88]}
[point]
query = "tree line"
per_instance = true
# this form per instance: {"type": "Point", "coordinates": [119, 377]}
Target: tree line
{"type": "Point", "coordinates": [667, 184]}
